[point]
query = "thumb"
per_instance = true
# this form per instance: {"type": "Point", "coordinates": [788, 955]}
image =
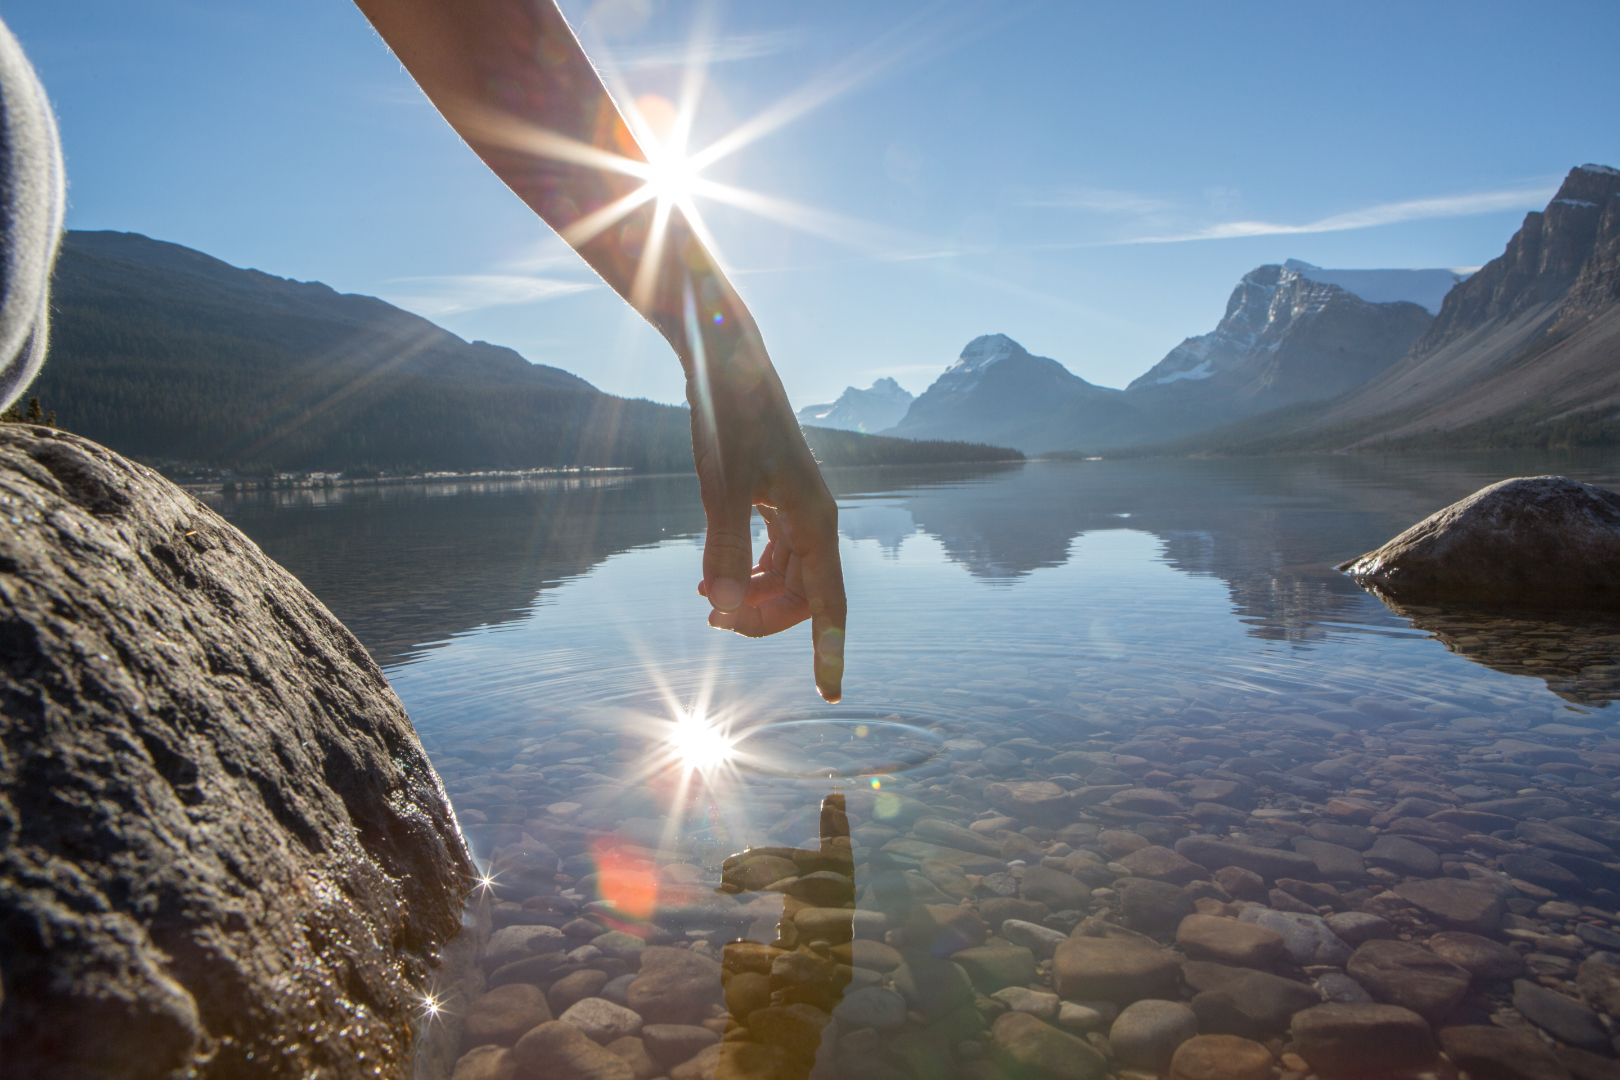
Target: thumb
{"type": "Point", "coordinates": [728, 554]}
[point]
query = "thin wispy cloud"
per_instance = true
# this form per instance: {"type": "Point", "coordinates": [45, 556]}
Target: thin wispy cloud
{"type": "Point", "coordinates": [454, 294]}
{"type": "Point", "coordinates": [722, 50]}
{"type": "Point", "coordinates": [1098, 200]}
{"type": "Point", "coordinates": [1487, 202]}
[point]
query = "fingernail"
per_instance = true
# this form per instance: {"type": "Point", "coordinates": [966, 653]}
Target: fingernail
{"type": "Point", "coordinates": [831, 649]}
{"type": "Point", "coordinates": [726, 594]}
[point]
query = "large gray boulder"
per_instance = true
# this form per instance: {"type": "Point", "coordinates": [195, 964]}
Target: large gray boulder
{"type": "Point", "coordinates": [1535, 541]}
{"type": "Point", "coordinates": [223, 852]}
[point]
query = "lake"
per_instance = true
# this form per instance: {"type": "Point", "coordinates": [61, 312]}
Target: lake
{"type": "Point", "coordinates": [1051, 668]}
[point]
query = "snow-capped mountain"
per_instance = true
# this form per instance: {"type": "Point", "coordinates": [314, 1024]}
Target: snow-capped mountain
{"type": "Point", "coordinates": [879, 406]}
{"type": "Point", "coordinates": [1286, 337]}
{"type": "Point", "coordinates": [997, 392]}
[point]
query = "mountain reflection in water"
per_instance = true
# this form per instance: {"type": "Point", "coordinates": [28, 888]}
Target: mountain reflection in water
{"type": "Point", "coordinates": [412, 566]}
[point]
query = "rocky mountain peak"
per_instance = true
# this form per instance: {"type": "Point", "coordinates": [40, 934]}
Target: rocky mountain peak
{"type": "Point", "coordinates": [1539, 266]}
{"type": "Point", "coordinates": [879, 406]}
{"type": "Point", "coordinates": [980, 353]}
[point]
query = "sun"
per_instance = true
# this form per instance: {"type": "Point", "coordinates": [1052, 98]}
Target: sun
{"type": "Point", "coordinates": [700, 744]}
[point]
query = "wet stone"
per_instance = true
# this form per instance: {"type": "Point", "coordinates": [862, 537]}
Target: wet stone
{"type": "Point", "coordinates": [1356, 927]}
{"type": "Point", "coordinates": [1162, 864]}
{"type": "Point", "coordinates": [1334, 862]}
{"type": "Point", "coordinates": [1362, 1040]}
{"type": "Point", "coordinates": [1220, 1057]}
{"type": "Point", "coordinates": [1034, 1002]}
{"type": "Point", "coordinates": [1562, 1017]}
{"type": "Point", "coordinates": [1540, 834]}
{"type": "Point", "coordinates": [1054, 888]}
{"type": "Point", "coordinates": [993, 967]}
{"type": "Point", "coordinates": [1154, 905]}
{"type": "Point", "coordinates": [1146, 1034]}
{"type": "Point", "coordinates": [795, 1028]}
{"type": "Point", "coordinates": [559, 1051]}
{"type": "Point", "coordinates": [1218, 1014]}
{"type": "Point", "coordinates": [601, 1020]}
{"type": "Point", "coordinates": [1269, 863]}
{"type": "Point", "coordinates": [671, 1044]}
{"type": "Point", "coordinates": [997, 910]}
{"type": "Point", "coordinates": [576, 987]}
{"type": "Point", "coordinates": [873, 1007]}
{"type": "Point", "coordinates": [931, 986]}
{"type": "Point", "coordinates": [1113, 969]}
{"type": "Point", "coordinates": [1040, 940]}
{"type": "Point", "coordinates": [1241, 884]}
{"type": "Point", "coordinates": [1479, 956]}
{"type": "Point", "coordinates": [1025, 1047]}
{"type": "Point", "coordinates": [1335, 986]}
{"type": "Point", "coordinates": [1403, 856]}
{"type": "Point", "coordinates": [1307, 939]}
{"type": "Point", "coordinates": [634, 1053]}
{"type": "Point", "coordinates": [1462, 905]}
{"type": "Point", "coordinates": [504, 1014]}
{"type": "Point", "coordinates": [1266, 999]}
{"type": "Point", "coordinates": [1228, 941]}
{"type": "Point", "coordinates": [1497, 1054]}
{"type": "Point", "coordinates": [485, 1063]}
{"type": "Point", "coordinates": [1539, 871]}
{"type": "Point", "coordinates": [1408, 975]}
{"type": "Point", "coordinates": [675, 986]}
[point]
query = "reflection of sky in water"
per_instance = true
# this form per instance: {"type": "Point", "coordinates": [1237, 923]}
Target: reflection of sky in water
{"type": "Point", "coordinates": [1121, 595]}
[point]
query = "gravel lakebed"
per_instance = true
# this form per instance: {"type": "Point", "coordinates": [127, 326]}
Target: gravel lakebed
{"type": "Point", "coordinates": [1232, 888]}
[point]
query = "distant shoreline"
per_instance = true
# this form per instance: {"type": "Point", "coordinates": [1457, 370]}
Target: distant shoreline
{"type": "Point", "coordinates": [321, 481]}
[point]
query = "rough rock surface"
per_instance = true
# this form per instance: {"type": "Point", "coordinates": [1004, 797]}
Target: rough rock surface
{"type": "Point", "coordinates": [221, 843]}
{"type": "Point", "coordinates": [1532, 541]}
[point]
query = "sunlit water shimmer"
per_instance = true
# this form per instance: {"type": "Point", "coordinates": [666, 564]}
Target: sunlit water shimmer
{"type": "Point", "coordinates": [1050, 666]}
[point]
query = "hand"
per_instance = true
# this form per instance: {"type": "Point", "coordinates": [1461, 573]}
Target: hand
{"type": "Point", "coordinates": [751, 453]}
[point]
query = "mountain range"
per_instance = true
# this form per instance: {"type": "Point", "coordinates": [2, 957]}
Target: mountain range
{"type": "Point", "coordinates": [881, 405]}
{"type": "Point", "coordinates": [1522, 352]}
{"type": "Point", "coordinates": [178, 359]}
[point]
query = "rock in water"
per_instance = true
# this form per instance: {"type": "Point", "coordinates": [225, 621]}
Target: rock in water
{"type": "Point", "coordinates": [222, 843]}
{"type": "Point", "coordinates": [1535, 541]}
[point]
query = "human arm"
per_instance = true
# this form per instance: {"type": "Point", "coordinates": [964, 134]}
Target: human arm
{"type": "Point", "coordinates": [512, 80]}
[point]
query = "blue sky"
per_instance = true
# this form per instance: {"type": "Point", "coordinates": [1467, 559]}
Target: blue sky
{"type": "Point", "coordinates": [1090, 179]}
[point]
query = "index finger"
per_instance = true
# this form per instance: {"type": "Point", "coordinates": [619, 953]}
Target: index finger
{"type": "Point", "coordinates": [824, 592]}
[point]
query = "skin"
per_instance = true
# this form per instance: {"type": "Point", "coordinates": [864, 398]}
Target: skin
{"type": "Point", "coordinates": [510, 77]}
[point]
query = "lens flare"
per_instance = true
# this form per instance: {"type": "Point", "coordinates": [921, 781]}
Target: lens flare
{"type": "Point", "coordinates": [699, 743]}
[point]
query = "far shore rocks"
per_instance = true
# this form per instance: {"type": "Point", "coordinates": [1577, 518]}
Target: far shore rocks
{"type": "Point", "coordinates": [1541, 541]}
{"type": "Point", "coordinates": [225, 852]}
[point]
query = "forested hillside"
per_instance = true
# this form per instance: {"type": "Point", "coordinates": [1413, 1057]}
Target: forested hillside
{"type": "Point", "coordinates": [180, 360]}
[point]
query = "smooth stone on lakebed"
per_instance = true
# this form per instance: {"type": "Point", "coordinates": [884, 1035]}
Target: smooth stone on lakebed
{"type": "Point", "coordinates": [1113, 969]}
{"type": "Point", "coordinates": [201, 762]}
{"type": "Point", "coordinates": [1408, 975]}
{"type": "Point", "coordinates": [1307, 939]}
{"type": "Point", "coordinates": [1228, 941]}
{"type": "Point", "coordinates": [1499, 1054]}
{"type": "Point", "coordinates": [1334, 862]}
{"type": "Point", "coordinates": [1479, 956]}
{"type": "Point", "coordinates": [1357, 927]}
{"type": "Point", "coordinates": [671, 1044]}
{"type": "Point", "coordinates": [1024, 1046]}
{"type": "Point", "coordinates": [992, 967]}
{"type": "Point", "coordinates": [1154, 905]}
{"type": "Point", "coordinates": [504, 1014]}
{"type": "Point", "coordinates": [487, 1062]}
{"type": "Point", "coordinates": [559, 1051]}
{"type": "Point", "coordinates": [1403, 856]}
{"type": "Point", "coordinates": [602, 1020]}
{"type": "Point", "coordinates": [1145, 1034]}
{"type": "Point", "coordinates": [1460, 904]}
{"type": "Point", "coordinates": [1220, 1057]}
{"type": "Point", "coordinates": [873, 1007]}
{"type": "Point", "coordinates": [675, 986]}
{"type": "Point", "coordinates": [1533, 541]}
{"type": "Point", "coordinates": [1162, 864]}
{"type": "Point", "coordinates": [1040, 940]}
{"type": "Point", "coordinates": [931, 986]}
{"type": "Point", "coordinates": [1267, 1000]}
{"type": "Point", "coordinates": [1362, 1040]}
{"type": "Point", "coordinates": [1563, 1017]}
{"type": "Point", "coordinates": [1059, 891]}
{"type": "Point", "coordinates": [1269, 863]}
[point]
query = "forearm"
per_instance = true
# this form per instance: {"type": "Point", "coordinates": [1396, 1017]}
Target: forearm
{"type": "Point", "coordinates": [511, 78]}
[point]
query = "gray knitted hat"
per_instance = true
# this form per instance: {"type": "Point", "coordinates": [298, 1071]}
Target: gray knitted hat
{"type": "Point", "coordinates": [32, 193]}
